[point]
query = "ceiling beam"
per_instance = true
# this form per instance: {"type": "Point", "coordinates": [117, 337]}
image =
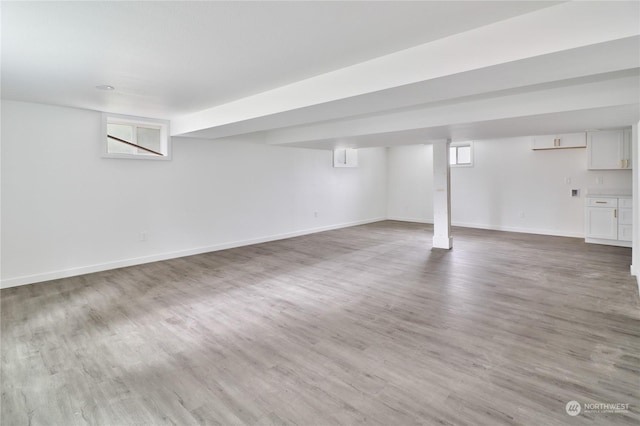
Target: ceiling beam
{"type": "Point", "coordinates": [559, 28]}
{"type": "Point", "coordinates": [549, 123]}
{"type": "Point", "coordinates": [608, 90]}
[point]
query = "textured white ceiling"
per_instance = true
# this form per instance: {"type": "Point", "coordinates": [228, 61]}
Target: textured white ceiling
{"type": "Point", "coordinates": [173, 58]}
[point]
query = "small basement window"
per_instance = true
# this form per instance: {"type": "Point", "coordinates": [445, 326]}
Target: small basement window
{"type": "Point", "coordinates": [461, 154]}
{"type": "Point", "coordinates": [345, 157]}
{"type": "Point", "coordinates": [135, 138]}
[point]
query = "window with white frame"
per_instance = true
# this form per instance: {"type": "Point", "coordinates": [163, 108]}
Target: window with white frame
{"type": "Point", "coordinates": [461, 154]}
{"type": "Point", "coordinates": [135, 138]}
{"type": "Point", "coordinates": [345, 157]}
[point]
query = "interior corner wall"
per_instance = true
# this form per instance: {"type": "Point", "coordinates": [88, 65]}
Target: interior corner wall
{"type": "Point", "coordinates": [510, 187]}
{"type": "Point", "coordinates": [635, 255]}
{"type": "Point", "coordinates": [67, 211]}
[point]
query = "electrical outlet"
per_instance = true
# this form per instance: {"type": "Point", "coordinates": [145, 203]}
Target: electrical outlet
{"type": "Point", "coordinates": [567, 180]}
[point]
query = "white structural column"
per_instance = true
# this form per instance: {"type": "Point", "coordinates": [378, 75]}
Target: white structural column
{"type": "Point", "coordinates": [635, 155]}
{"type": "Point", "coordinates": [441, 196]}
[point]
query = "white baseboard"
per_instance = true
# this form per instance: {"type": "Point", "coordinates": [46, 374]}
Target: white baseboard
{"type": "Point", "coordinates": [609, 242]}
{"type": "Point", "coordinates": [54, 275]}
{"type": "Point", "coordinates": [538, 231]}
{"type": "Point", "coordinates": [30, 279]}
{"type": "Point", "coordinates": [411, 219]}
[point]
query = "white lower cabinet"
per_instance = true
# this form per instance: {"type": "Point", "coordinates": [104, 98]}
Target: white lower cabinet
{"type": "Point", "coordinates": [625, 219]}
{"type": "Point", "coordinates": [624, 233]}
{"type": "Point", "coordinates": [608, 220]}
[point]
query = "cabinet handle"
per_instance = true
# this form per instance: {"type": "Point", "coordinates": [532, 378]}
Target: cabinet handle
{"type": "Point", "coordinates": [615, 213]}
{"type": "Point", "coordinates": [601, 202]}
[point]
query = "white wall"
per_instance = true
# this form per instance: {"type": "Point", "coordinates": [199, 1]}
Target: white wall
{"type": "Point", "coordinates": [635, 155]}
{"type": "Point", "coordinates": [510, 187]}
{"type": "Point", "coordinates": [66, 211]}
{"type": "Point", "coordinates": [410, 183]}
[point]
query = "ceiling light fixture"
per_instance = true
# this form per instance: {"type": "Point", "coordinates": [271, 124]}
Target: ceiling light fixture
{"type": "Point", "coordinates": [105, 87]}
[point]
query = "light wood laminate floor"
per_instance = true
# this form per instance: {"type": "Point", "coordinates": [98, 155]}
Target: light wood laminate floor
{"type": "Point", "coordinates": [365, 325]}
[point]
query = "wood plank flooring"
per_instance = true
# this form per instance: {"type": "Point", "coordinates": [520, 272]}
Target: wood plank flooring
{"type": "Point", "coordinates": [365, 325]}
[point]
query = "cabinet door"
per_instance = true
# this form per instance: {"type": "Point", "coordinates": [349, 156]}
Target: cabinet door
{"type": "Point", "coordinates": [624, 233]}
{"type": "Point", "coordinates": [626, 148]}
{"type": "Point", "coordinates": [572, 140]}
{"type": "Point", "coordinates": [544, 142]}
{"type": "Point", "coordinates": [567, 140]}
{"type": "Point", "coordinates": [604, 150]}
{"type": "Point", "coordinates": [602, 222]}
{"type": "Point", "coordinates": [625, 217]}
{"type": "Point", "coordinates": [625, 203]}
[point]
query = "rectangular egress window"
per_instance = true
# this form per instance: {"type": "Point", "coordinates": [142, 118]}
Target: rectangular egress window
{"type": "Point", "coordinates": [461, 154]}
{"type": "Point", "coordinates": [134, 137]}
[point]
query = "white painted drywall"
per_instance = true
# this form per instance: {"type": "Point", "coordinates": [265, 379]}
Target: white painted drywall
{"type": "Point", "coordinates": [635, 155]}
{"type": "Point", "coordinates": [410, 183]}
{"type": "Point", "coordinates": [510, 187]}
{"type": "Point", "coordinates": [67, 211]}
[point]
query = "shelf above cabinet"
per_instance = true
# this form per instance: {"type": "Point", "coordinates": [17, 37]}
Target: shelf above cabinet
{"type": "Point", "coordinates": [562, 141]}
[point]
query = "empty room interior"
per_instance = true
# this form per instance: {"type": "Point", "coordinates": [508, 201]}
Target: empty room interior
{"type": "Point", "coordinates": [320, 213]}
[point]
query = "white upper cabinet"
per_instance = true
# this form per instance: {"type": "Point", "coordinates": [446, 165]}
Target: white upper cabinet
{"type": "Point", "coordinates": [609, 149]}
{"type": "Point", "coordinates": [567, 140]}
{"type": "Point", "coordinates": [626, 148]}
